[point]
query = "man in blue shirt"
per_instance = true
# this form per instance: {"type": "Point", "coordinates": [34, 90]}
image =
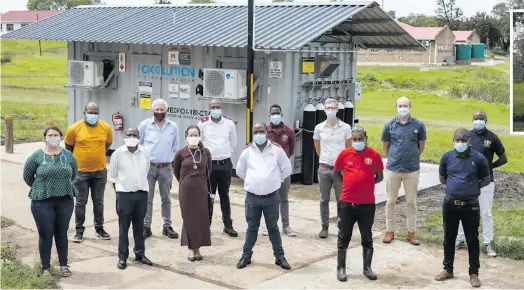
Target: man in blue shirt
{"type": "Point", "coordinates": [464, 172]}
{"type": "Point", "coordinates": [160, 136]}
{"type": "Point", "coordinates": [488, 144]}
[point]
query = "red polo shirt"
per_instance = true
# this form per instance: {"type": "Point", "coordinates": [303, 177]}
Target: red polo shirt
{"type": "Point", "coordinates": [358, 169]}
{"type": "Point", "coordinates": [286, 138]}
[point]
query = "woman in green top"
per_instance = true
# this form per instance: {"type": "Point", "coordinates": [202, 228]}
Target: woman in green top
{"type": "Point", "coordinates": [50, 173]}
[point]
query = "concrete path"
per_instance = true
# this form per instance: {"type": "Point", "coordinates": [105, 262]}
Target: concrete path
{"type": "Point", "coordinates": [93, 262]}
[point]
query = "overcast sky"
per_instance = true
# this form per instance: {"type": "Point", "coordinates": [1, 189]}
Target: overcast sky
{"type": "Point", "coordinates": [402, 7]}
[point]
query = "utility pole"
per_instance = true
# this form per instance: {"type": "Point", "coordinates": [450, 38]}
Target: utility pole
{"type": "Point", "coordinates": [250, 69]}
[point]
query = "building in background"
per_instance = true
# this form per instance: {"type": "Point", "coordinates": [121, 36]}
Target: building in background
{"type": "Point", "coordinates": [439, 42]}
{"type": "Point", "coordinates": [469, 36]}
{"type": "Point", "coordinates": [14, 20]}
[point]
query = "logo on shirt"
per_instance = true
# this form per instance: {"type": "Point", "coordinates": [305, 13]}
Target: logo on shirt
{"type": "Point", "coordinates": [473, 163]}
{"type": "Point", "coordinates": [487, 143]}
{"type": "Point", "coordinates": [284, 138]}
{"type": "Point", "coordinates": [368, 161]}
{"type": "Point", "coordinates": [415, 131]}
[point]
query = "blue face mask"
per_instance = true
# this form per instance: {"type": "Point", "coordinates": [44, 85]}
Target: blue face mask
{"type": "Point", "coordinates": [359, 146]}
{"type": "Point", "coordinates": [403, 111]}
{"type": "Point", "coordinates": [216, 113]}
{"type": "Point", "coordinates": [479, 124]}
{"type": "Point", "coordinates": [91, 119]}
{"type": "Point", "coordinates": [276, 119]}
{"type": "Point", "coordinates": [260, 139]}
{"type": "Point", "coordinates": [461, 147]}
{"type": "Point", "coordinates": [331, 114]}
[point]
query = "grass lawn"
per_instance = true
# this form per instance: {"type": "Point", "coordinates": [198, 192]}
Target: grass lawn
{"type": "Point", "coordinates": [16, 275]}
{"type": "Point", "coordinates": [518, 106]}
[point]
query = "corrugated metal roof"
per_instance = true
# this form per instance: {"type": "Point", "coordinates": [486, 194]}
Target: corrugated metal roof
{"type": "Point", "coordinates": [277, 26]}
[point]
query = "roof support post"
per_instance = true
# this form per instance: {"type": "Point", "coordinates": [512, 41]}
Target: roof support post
{"type": "Point", "coordinates": [250, 69]}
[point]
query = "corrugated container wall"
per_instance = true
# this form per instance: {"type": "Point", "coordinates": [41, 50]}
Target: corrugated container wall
{"type": "Point", "coordinates": [286, 91]}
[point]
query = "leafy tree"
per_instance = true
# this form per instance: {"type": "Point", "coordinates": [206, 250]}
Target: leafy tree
{"type": "Point", "coordinates": [448, 13]}
{"type": "Point", "coordinates": [162, 2]}
{"type": "Point", "coordinates": [59, 4]}
{"type": "Point", "coordinates": [392, 14]}
{"type": "Point", "coordinates": [419, 20]}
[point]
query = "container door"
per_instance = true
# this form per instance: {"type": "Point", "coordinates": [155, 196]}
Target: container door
{"type": "Point", "coordinates": [146, 84]}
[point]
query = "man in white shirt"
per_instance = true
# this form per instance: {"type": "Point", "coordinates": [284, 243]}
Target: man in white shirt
{"type": "Point", "coordinates": [128, 170]}
{"type": "Point", "coordinates": [220, 137]}
{"type": "Point", "coordinates": [330, 137]}
{"type": "Point", "coordinates": [263, 165]}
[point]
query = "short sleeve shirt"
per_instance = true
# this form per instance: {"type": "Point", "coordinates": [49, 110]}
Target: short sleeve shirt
{"type": "Point", "coordinates": [359, 169]}
{"type": "Point", "coordinates": [89, 144]}
{"type": "Point", "coordinates": [463, 174]}
{"type": "Point", "coordinates": [488, 144]}
{"type": "Point", "coordinates": [403, 152]}
{"type": "Point", "coordinates": [286, 138]}
{"type": "Point", "coordinates": [332, 140]}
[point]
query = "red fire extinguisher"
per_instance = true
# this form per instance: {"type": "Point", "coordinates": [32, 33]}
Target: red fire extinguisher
{"type": "Point", "coordinates": [118, 121]}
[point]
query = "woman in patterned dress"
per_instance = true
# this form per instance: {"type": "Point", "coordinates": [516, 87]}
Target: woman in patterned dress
{"type": "Point", "coordinates": [50, 172]}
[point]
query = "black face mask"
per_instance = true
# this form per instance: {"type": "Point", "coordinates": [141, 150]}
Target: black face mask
{"type": "Point", "coordinates": [160, 116]}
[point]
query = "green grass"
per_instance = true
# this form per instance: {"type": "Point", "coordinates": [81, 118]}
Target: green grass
{"type": "Point", "coordinates": [509, 236]}
{"type": "Point", "coordinates": [12, 46]}
{"type": "Point", "coordinates": [518, 107]}
{"type": "Point", "coordinates": [7, 222]}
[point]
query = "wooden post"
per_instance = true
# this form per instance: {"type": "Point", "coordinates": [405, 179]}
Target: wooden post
{"type": "Point", "coordinates": [8, 142]}
{"type": "Point", "coordinates": [39, 41]}
{"type": "Point", "coordinates": [49, 123]}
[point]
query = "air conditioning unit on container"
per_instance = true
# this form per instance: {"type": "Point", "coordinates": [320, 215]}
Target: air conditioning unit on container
{"type": "Point", "coordinates": [86, 73]}
{"type": "Point", "coordinates": [224, 83]}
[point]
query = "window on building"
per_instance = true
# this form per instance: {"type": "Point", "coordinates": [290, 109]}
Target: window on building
{"type": "Point", "coordinates": [9, 27]}
{"type": "Point", "coordinates": [24, 24]}
{"type": "Point", "coordinates": [374, 50]}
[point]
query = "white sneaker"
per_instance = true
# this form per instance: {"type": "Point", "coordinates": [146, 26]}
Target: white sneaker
{"type": "Point", "coordinates": [46, 273]}
{"type": "Point", "coordinates": [265, 233]}
{"type": "Point", "coordinates": [459, 245]}
{"type": "Point", "coordinates": [490, 250]}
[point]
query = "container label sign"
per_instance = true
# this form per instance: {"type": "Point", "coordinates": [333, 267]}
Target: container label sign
{"type": "Point", "coordinates": [179, 57]}
{"type": "Point", "coordinates": [121, 62]}
{"type": "Point", "coordinates": [167, 71]}
{"type": "Point", "coordinates": [183, 113]}
{"type": "Point", "coordinates": [308, 65]}
{"type": "Point", "coordinates": [145, 90]}
{"type": "Point", "coordinates": [185, 91]}
{"type": "Point", "coordinates": [173, 90]}
{"type": "Point", "coordinates": [275, 69]}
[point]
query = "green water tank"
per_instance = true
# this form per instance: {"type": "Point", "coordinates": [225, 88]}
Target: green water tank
{"type": "Point", "coordinates": [477, 51]}
{"type": "Point", "coordinates": [463, 52]}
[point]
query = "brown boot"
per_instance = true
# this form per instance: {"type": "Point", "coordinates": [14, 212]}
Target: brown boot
{"type": "Point", "coordinates": [474, 280]}
{"type": "Point", "coordinates": [412, 239]}
{"type": "Point", "coordinates": [444, 275]}
{"type": "Point", "coordinates": [389, 237]}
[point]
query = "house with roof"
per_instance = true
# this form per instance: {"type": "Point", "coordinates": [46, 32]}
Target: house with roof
{"type": "Point", "coordinates": [14, 20]}
{"type": "Point", "coordinates": [466, 36]}
{"type": "Point", "coordinates": [439, 42]}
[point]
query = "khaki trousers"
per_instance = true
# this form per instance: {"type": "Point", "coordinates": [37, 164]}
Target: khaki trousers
{"type": "Point", "coordinates": [393, 182]}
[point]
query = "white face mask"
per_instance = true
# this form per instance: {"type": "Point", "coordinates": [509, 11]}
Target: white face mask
{"type": "Point", "coordinates": [193, 141]}
{"type": "Point", "coordinates": [131, 141]}
{"type": "Point", "coordinates": [53, 141]}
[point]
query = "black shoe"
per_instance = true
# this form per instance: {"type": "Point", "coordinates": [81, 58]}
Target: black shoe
{"type": "Point", "coordinates": [367, 254]}
{"type": "Point", "coordinates": [282, 262]}
{"type": "Point", "coordinates": [102, 234]}
{"type": "Point", "coordinates": [79, 237]}
{"type": "Point", "coordinates": [231, 232]}
{"type": "Point", "coordinates": [122, 264]}
{"type": "Point", "coordinates": [341, 265]}
{"type": "Point", "coordinates": [170, 233]}
{"type": "Point", "coordinates": [144, 260]}
{"type": "Point", "coordinates": [243, 262]}
{"type": "Point", "coordinates": [147, 232]}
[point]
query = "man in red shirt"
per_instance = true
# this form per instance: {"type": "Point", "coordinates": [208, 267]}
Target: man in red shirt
{"type": "Point", "coordinates": [359, 168]}
{"type": "Point", "coordinates": [283, 135]}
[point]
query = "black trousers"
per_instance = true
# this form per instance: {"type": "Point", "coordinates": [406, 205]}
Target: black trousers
{"type": "Point", "coordinates": [131, 208]}
{"type": "Point", "coordinates": [470, 217]}
{"type": "Point", "coordinates": [348, 215]}
{"type": "Point", "coordinates": [221, 179]}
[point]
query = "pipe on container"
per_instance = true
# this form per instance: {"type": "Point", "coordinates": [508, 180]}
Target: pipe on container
{"type": "Point", "coordinates": [349, 113]}
{"type": "Point", "coordinates": [341, 111]}
{"type": "Point", "coordinates": [320, 117]}
{"type": "Point", "coordinates": [308, 146]}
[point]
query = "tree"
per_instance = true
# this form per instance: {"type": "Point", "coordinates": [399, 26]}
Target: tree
{"type": "Point", "coordinates": [448, 13]}
{"type": "Point", "coordinates": [162, 2]}
{"type": "Point", "coordinates": [419, 20]}
{"type": "Point", "coordinates": [201, 1]}
{"type": "Point", "coordinates": [392, 14]}
{"type": "Point", "coordinates": [59, 4]}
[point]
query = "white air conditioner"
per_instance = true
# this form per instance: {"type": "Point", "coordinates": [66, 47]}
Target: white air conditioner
{"type": "Point", "coordinates": [86, 73]}
{"type": "Point", "coordinates": [425, 42]}
{"type": "Point", "coordinates": [224, 83]}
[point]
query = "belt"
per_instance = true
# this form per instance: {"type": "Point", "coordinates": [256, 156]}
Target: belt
{"type": "Point", "coordinates": [263, 195]}
{"type": "Point", "coordinates": [326, 166]}
{"type": "Point", "coordinates": [461, 202]}
{"type": "Point", "coordinates": [160, 165]}
{"type": "Point", "coordinates": [221, 162]}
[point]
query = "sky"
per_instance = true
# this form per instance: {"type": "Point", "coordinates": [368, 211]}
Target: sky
{"type": "Point", "coordinates": [402, 7]}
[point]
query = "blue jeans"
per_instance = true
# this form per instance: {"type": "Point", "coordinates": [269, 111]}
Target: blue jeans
{"type": "Point", "coordinates": [255, 206]}
{"type": "Point", "coordinates": [52, 216]}
{"type": "Point", "coordinates": [96, 181]}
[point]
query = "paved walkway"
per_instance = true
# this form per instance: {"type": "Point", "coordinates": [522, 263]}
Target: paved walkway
{"type": "Point", "coordinates": [93, 262]}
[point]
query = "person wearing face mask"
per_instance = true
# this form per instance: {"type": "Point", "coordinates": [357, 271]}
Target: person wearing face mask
{"type": "Point", "coordinates": [160, 136]}
{"type": "Point", "coordinates": [330, 138]}
{"type": "Point", "coordinates": [403, 141]}
{"type": "Point", "coordinates": [220, 137]}
{"type": "Point", "coordinates": [283, 135]}
{"type": "Point", "coordinates": [489, 144]}
{"type": "Point", "coordinates": [262, 165]}
{"type": "Point", "coordinates": [128, 170]}
{"type": "Point", "coordinates": [464, 172]}
{"type": "Point", "coordinates": [89, 139]}
{"type": "Point", "coordinates": [50, 173]}
{"type": "Point", "coordinates": [359, 168]}
{"type": "Point", "coordinates": [192, 167]}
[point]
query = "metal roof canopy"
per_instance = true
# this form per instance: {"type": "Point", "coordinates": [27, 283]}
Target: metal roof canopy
{"type": "Point", "coordinates": [289, 26]}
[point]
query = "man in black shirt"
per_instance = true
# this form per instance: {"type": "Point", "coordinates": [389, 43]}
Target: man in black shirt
{"type": "Point", "coordinates": [464, 172]}
{"type": "Point", "coordinates": [488, 144]}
